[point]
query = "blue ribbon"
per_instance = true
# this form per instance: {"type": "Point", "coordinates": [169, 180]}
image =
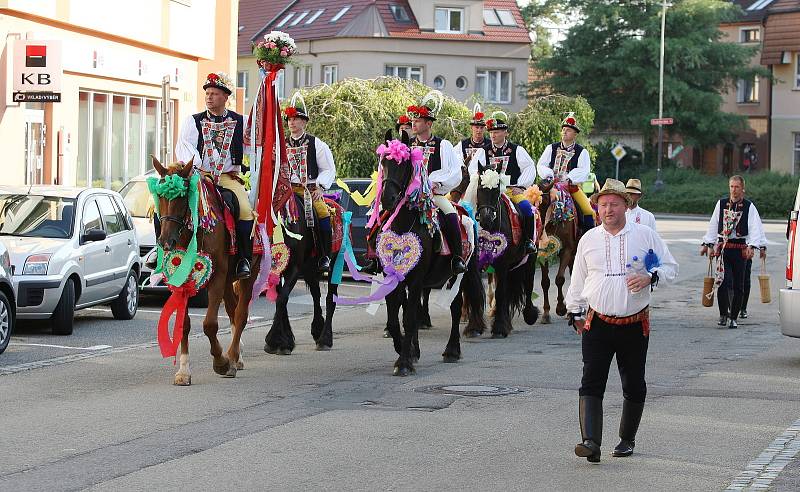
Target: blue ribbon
{"type": "Point", "coordinates": [346, 249]}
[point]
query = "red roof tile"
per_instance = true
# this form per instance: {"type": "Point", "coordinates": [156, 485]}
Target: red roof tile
{"type": "Point", "coordinates": [253, 16]}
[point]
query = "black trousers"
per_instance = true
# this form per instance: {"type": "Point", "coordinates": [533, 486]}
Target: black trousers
{"type": "Point", "coordinates": [748, 266]}
{"type": "Point", "coordinates": [730, 293]}
{"type": "Point", "coordinates": [600, 344]}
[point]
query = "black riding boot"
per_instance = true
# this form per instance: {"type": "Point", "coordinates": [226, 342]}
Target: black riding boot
{"type": "Point", "coordinates": [628, 425]}
{"type": "Point", "coordinates": [244, 247]}
{"type": "Point", "coordinates": [590, 411]}
{"type": "Point", "coordinates": [326, 243]}
{"type": "Point", "coordinates": [452, 234]}
{"type": "Point", "coordinates": [528, 226]}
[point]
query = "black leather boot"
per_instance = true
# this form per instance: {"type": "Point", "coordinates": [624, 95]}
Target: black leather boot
{"type": "Point", "coordinates": [529, 224]}
{"type": "Point", "coordinates": [244, 247]}
{"type": "Point", "coordinates": [628, 425]}
{"type": "Point", "coordinates": [326, 243]}
{"type": "Point", "coordinates": [452, 234]}
{"type": "Point", "coordinates": [590, 411]}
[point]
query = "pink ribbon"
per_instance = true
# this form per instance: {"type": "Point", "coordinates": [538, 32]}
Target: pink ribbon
{"type": "Point", "coordinates": [260, 285]}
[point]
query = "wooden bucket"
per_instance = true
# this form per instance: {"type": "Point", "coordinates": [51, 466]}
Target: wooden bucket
{"type": "Point", "coordinates": [763, 283]}
{"type": "Point", "coordinates": [708, 285]}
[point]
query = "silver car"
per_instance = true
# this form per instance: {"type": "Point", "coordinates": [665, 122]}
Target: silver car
{"type": "Point", "coordinates": [71, 248]}
{"type": "Point", "coordinates": [8, 301]}
{"type": "Point", "coordinates": [789, 300]}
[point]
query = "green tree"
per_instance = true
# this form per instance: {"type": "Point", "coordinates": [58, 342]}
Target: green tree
{"type": "Point", "coordinates": [534, 14]}
{"type": "Point", "coordinates": [611, 57]}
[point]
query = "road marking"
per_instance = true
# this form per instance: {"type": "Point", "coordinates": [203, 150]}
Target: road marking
{"type": "Point", "coordinates": [762, 471]}
{"type": "Point", "coordinates": [93, 347]}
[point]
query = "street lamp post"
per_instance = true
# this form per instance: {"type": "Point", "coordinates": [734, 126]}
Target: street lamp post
{"type": "Point", "coordinates": [659, 182]}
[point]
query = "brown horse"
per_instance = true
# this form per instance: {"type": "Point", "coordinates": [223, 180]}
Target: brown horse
{"type": "Point", "coordinates": [174, 216]}
{"type": "Point", "coordinates": [567, 232]}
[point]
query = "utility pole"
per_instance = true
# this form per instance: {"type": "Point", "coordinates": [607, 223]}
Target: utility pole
{"type": "Point", "coordinates": [659, 184]}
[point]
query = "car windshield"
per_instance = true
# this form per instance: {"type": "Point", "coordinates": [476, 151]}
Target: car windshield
{"type": "Point", "coordinates": [36, 216]}
{"type": "Point", "coordinates": [138, 199]}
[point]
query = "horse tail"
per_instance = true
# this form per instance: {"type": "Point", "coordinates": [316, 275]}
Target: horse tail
{"type": "Point", "coordinates": [474, 296]}
{"type": "Point", "coordinates": [516, 292]}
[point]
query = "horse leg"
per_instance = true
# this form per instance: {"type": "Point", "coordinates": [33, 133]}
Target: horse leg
{"type": "Point", "coordinates": [216, 290]}
{"type": "Point", "coordinates": [280, 339]}
{"type": "Point", "coordinates": [529, 313]}
{"type": "Point", "coordinates": [452, 352]}
{"type": "Point", "coordinates": [312, 281]}
{"type": "Point", "coordinates": [425, 313]}
{"type": "Point", "coordinates": [325, 341]}
{"type": "Point", "coordinates": [474, 299]}
{"type": "Point", "coordinates": [405, 364]}
{"type": "Point", "coordinates": [492, 282]}
{"type": "Point", "coordinates": [232, 302]}
{"type": "Point", "coordinates": [561, 308]}
{"type": "Point", "coordinates": [393, 302]}
{"type": "Point", "coordinates": [184, 375]}
{"type": "Point", "coordinates": [545, 295]}
{"type": "Point", "coordinates": [501, 314]}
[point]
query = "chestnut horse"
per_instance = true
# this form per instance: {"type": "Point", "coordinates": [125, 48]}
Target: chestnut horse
{"type": "Point", "coordinates": [174, 216]}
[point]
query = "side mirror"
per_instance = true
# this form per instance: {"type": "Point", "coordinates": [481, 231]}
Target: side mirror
{"type": "Point", "coordinates": [93, 235]}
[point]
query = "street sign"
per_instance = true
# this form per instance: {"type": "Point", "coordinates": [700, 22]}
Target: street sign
{"type": "Point", "coordinates": [661, 121]}
{"type": "Point", "coordinates": [618, 152]}
{"type": "Point", "coordinates": [37, 71]}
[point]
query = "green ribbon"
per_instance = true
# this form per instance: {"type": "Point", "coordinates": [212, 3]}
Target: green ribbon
{"type": "Point", "coordinates": [171, 187]}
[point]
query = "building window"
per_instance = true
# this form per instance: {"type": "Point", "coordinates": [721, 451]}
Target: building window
{"type": "Point", "coordinates": [449, 20]}
{"type": "Point", "coordinates": [299, 18]}
{"type": "Point", "coordinates": [116, 134]}
{"type": "Point", "coordinates": [340, 13]}
{"type": "Point", "coordinates": [330, 74]}
{"type": "Point", "coordinates": [747, 90]}
{"type": "Point", "coordinates": [797, 71]}
{"type": "Point", "coordinates": [796, 168]}
{"type": "Point", "coordinates": [399, 13]}
{"type": "Point", "coordinates": [404, 72]}
{"type": "Point", "coordinates": [241, 81]}
{"type": "Point", "coordinates": [495, 17]}
{"type": "Point", "coordinates": [285, 19]}
{"type": "Point", "coordinates": [315, 16]}
{"type": "Point", "coordinates": [461, 83]}
{"type": "Point", "coordinates": [750, 35]}
{"type": "Point", "coordinates": [308, 80]}
{"type": "Point", "coordinates": [296, 78]}
{"type": "Point", "coordinates": [494, 85]}
{"type": "Point", "coordinates": [439, 82]}
{"type": "Point", "coordinates": [280, 84]}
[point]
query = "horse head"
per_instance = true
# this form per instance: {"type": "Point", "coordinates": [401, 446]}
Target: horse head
{"type": "Point", "coordinates": [397, 171]}
{"type": "Point", "coordinates": [173, 205]}
{"type": "Point", "coordinates": [488, 197]}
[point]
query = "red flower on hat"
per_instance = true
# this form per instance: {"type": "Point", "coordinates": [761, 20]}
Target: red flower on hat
{"type": "Point", "coordinates": [411, 109]}
{"type": "Point", "coordinates": [478, 116]}
{"type": "Point", "coordinates": [570, 121]}
{"type": "Point", "coordinates": [290, 112]}
{"type": "Point", "coordinates": [213, 77]}
{"type": "Point", "coordinates": [423, 111]}
{"type": "Point", "coordinates": [489, 124]}
{"type": "Point", "coordinates": [403, 120]}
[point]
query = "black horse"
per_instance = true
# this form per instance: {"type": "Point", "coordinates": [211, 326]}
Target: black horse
{"type": "Point", "coordinates": [514, 281]}
{"type": "Point", "coordinates": [303, 260]}
{"type": "Point", "coordinates": [431, 271]}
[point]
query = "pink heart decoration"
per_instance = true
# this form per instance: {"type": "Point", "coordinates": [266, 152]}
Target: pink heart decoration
{"type": "Point", "coordinates": [490, 247]}
{"type": "Point", "coordinates": [402, 252]}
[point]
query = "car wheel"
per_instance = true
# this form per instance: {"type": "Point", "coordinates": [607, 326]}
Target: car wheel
{"type": "Point", "coordinates": [6, 321]}
{"type": "Point", "coordinates": [200, 300]}
{"type": "Point", "coordinates": [125, 305]}
{"type": "Point", "coordinates": [64, 315]}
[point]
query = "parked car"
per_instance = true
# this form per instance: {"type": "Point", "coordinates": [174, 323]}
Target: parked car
{"type": "Point", "coordinates": [8, 300]}
{"type": "Point", "coordinates": [139, 201]}
{"type": "Point", "coordinates": [789, 299]}
{"type": "Point", "coordinates": [71, 248]}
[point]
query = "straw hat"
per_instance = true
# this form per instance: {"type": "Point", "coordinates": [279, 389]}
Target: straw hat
{"type": "Point", "coordinates": [613, 187]}
{"type": "Point", "coordinates": [633, 186]}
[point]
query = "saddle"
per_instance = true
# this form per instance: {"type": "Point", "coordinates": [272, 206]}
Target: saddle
{"type": "Point", "coordinates": [295, 211]}
{"type": "Point", "coordinates": [466, 244]}
{"type": "Point", "coordinates": [515, 218]}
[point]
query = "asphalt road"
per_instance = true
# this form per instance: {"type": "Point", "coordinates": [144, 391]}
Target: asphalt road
{"type": "Point", "coordinates": [97, 410]}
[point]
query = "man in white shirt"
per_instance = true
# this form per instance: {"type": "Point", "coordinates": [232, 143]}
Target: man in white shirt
{"type": "Point", "coordinates": [474, 146]}
{"type": "Point", "coordinates": [608, 305]}
{"type": "Point", "coordinates": [635, 213]}
{"type": "Point", "coordinates": [734, 232]}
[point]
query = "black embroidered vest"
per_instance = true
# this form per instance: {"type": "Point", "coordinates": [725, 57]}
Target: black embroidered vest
{"type": "Point", "coordinates": [512, 167]}
{"type": "Point", "coordinates": [237, 143]}
{"type": "Point", "coordinates": [467, 143]}
{"type": "Point", "coordinates": [310, 142]}
{"type": "Point", "coordinates": [743, 207]}
{"type": "Point", "coordinates": [572, 164]}
{"type": "Point", "coordinates": [435, 157]}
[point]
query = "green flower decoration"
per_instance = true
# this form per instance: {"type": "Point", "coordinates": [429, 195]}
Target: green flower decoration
{"type": "Point", "coordinates": [246, 178]}
{"type": "Point", "coordinates": [171, 187]}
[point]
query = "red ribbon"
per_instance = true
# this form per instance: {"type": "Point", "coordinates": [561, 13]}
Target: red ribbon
{"type": "Point", "coordinates": [177, 303]}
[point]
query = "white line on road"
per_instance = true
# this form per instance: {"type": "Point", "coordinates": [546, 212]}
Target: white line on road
{"type": "Point", "coordinates": [153, 311]}
{"type": "Point", "coordinates": [762, 471]}
{"type": "Point", "coordinates": [93, 347]}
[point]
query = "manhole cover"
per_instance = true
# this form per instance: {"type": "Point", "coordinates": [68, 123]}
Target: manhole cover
{"type": "Point", "coordinates": [471, 390]}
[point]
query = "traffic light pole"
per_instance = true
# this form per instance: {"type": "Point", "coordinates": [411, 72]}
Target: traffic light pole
{"type": "Point", "coordinates": [659, 182]}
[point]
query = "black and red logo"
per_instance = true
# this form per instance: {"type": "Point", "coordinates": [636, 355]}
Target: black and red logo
{"type": "Point", "coordinates": [35, 55]}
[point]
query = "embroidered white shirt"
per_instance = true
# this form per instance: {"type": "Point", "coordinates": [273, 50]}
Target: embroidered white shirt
{"type": "Point", "coordinates": [448, 176]}
{"type": "Point", "coordinates": [577, 175]}
{"type": "Point", "coordinates": [638, 215]}
{"type": "Point", "coordinates": [326, 168]}
{"type": "Point", "coordinates": [186, 149]}
{"type": "Point", "coordinates": [479, 154]}
{"type": "Point", "coordinates": [598, 274]}
{"type": "Point", "coordinates": [755, 229]}
{"type": "Point", "coordinates": [527, 168]}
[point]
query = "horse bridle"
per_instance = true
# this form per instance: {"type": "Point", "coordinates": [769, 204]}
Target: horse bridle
{"type": "Point", "coordinates": [181, 222]}
{"type": "Point", "coordinates": [402, 186]}
{"type": "Point", "coordinates": [496, 208]}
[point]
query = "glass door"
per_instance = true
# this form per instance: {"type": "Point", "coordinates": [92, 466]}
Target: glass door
{"type": "Point", "coordinates": [34, 146]}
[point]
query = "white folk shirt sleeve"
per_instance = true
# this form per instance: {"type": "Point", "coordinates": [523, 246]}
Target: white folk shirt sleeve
{"type": "Point", "coordinates": [186, 147]}
{"type": "Point", "coordinates": [478, 159]}
{"type": "Point", "coordinates": [527, 168]}
{"type": "Point", "coordinates": [598, 279]}
{"type": "Point", "coordinates": [713, 225]}
{"type": "Point", "coordinates": [755, 229]}
{"type": "Point", "coordinates": [449, 175]}
{"type": "Point", "coordinates": [326, 174]}
{"type": "Point", "coordinates": [581, 173]}
{"type": "Point", "coordinates": [639, 215]}
{"type": "Point", "coordinates": [544, 163]}
{"type": "Point", "coordinates": [457, 149]}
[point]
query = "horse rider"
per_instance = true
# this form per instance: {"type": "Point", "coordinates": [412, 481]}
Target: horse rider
{"type": "Point", "coordinates": [403, 123]}
{"type": "Point", "coordinates": [214, 141]}
{"type": "Point", "coordinates": [608, 307]}
{"type": "Point", "coordinates": [444, 173]}
{"type": "Point", "coordinates": [636, 213]}
{"type": "Point", "coordinates": [311, 169]}
{"type": "Point", "coordinates": [511, 159]}
{"type": "Point", "coordinates": [468, 148]}
{"type": "Point", "coordinates": [734, 232]}
{"type": "Point", "coordinates": [568, 162]}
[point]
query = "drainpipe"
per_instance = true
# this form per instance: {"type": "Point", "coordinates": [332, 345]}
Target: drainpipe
{"type": "Point", "coordinates": [769, 120]}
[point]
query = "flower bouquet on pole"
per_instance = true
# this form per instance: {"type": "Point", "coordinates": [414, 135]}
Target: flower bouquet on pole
{"type": "Point", "coordinates": [270, 188]}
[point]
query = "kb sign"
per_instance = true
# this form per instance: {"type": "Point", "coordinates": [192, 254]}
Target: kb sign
{"type": "Point", "coordinates": [37, 71]}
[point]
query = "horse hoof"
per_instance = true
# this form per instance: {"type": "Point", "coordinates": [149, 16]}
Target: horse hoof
{"type": "Point", "coordinates": [284, 351]}
{"type": "Point", "coordinates": [183, 380]}
{"type": "Point", "coordinates": [386, 334]}
{"type": "Point", "coordinates": [239, 365]}
{"type": "Point", "coordinates": [223, 369]}
{"type": "Point", "coordinates": [473, 334]}
{"type": "Point", "coordinates": [404, 371]}
{"type": "Point", "coordinates": [231, 372]}
{"type": "Point", "coordinates": [545, 319]}
{"type": "Point", "coordinates": [531, 315]}
{"type": "Point", "coordinates": [561, 310]}
{"type": "Point", "coordinates": [450, 358]}
{"type": "Point", "coordinates": [499, 335]}
{"type": "Point", "coordinates": [321, 347]}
